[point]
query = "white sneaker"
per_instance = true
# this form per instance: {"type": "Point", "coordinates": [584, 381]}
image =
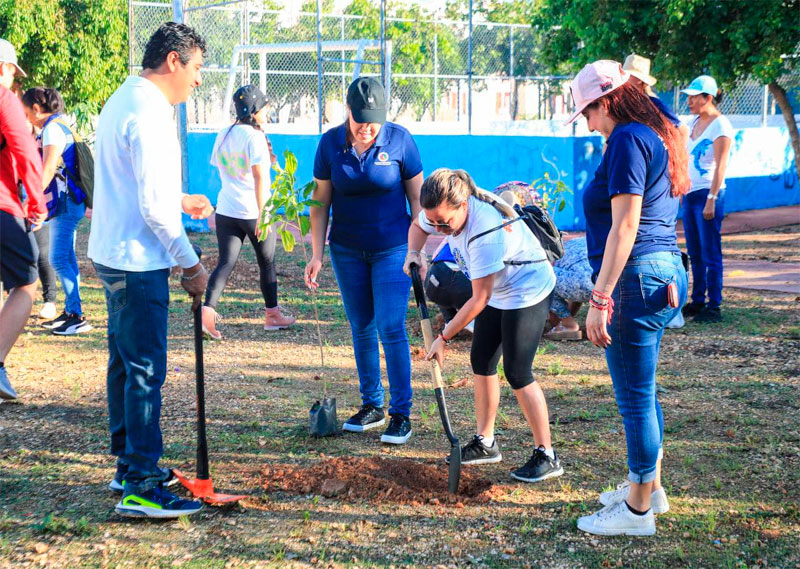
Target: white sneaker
{"type": "Point", "coordinates": [48, 311]}
{"type": "Point", "coordinates": [617, 519]}
{"type": "Point", "coordinates": [658, 499]}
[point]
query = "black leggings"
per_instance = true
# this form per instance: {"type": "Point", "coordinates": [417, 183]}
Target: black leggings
{"type": "Point", "coordinates": [230, 236]}
{"type": "Point", "coordinates": [46, 273]}
{"type": "Point", "coordinates": [514, 333]}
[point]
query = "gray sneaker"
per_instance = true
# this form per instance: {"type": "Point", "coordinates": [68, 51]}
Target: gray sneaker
{"type": "Point", "coordinates": [6, 391]}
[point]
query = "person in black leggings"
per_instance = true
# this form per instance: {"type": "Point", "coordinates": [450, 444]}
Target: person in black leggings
{"type": "Point", "coordinates": [512, 285]}
{"type": "Point", "coordinates": [47, 275]}
{"type": "Point", "coordinates": [243, 156]}
{"type": "Point", "coordinates": [231, 233]}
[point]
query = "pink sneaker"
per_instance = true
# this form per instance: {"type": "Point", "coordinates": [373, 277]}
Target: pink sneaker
{"type": "Point", "coordinates": [274, 320]}
{"type": "Point", "coordinates": [210, 319]}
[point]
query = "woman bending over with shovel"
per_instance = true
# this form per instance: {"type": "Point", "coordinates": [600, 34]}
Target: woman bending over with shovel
{"type": "Point", "coordinates": [512, 284]}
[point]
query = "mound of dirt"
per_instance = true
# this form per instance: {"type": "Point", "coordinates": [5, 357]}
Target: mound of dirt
{"type": "Point", "coordinates": [399, 481]}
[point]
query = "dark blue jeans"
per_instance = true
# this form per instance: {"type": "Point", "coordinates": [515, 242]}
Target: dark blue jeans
{"type": "Point", "coordinates": [704, 245]}
{"type": "Point", "coordinates": [137, 367]}
{"type": "Point", "coordinates": [375, 293]}
{"type": "Point", "coordinates": [641, 312]}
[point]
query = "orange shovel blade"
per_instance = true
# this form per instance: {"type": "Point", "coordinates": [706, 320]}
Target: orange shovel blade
{"type": "Point", "coordinates": [204, 489]}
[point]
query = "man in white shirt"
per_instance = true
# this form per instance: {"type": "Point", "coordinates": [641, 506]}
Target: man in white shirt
{"type": "Point", "coordinates": [137, 236]}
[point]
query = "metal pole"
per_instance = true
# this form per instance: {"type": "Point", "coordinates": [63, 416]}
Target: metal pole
{"type": "Point", "coordinates": [765, 98]}
{"type": "Point", "coordinates": [675, 98]}
{"type": "Point", "coordinates": [319, 64]}
{"type": "Point", "coordinates": [513, 98]}
{"type": "Point", "coordinates": [435, 67]}
{"type": "Point", "coordinates": [469, 74]}
{"type": "Point", "coordinates": [343, 84]}
{"type": "Point", "coordinates": [383, 41]}
{"type": "Point", "coordinates": [131, 36]}
{"type": "Point", "coordinates": [183, 129]}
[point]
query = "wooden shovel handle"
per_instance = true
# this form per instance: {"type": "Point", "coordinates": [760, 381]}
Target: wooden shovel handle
{"type": "Point", "coordinates": [427, 335]}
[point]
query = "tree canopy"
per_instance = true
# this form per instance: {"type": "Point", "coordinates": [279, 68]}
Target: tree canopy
{"type": "Point", "coordinates": [79, 47]}
{"type": "Point", "coordinates": [728, 39]}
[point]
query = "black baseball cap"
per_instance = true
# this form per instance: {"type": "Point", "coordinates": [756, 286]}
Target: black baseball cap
{"type": "Point", "coordinates": [248, 100]}
{"type": "Point", "coordinates": [367, 100]}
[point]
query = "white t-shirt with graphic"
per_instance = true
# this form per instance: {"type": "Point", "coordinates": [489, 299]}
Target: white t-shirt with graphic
{"type": "Point", "coordinates": [516, 286]}
{"type": "Point", "coordinates": [701, 152]}
{"type": "Point", "coordinates": [53, 135]}
{"type": "Point", "coordinates": [234, 154]}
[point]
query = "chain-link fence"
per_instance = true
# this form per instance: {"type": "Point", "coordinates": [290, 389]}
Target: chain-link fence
{"type": "Point", "coordinates": [441, 77]}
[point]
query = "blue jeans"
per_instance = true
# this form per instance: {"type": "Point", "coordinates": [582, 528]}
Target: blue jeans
{"type": "Point", "coordinates": [375, 293]}
{"type": "Point", "coordinates": [62, 252]}
{"type": "Point", "coordinates": [641, 312]}
{"type": "Point", "coordinates": [704, 245]}
{"type": "Point", "coordinates": [137, 367]}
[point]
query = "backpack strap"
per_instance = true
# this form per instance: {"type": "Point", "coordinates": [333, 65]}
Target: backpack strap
{"type": "Point", "coordinates": [505, 224]}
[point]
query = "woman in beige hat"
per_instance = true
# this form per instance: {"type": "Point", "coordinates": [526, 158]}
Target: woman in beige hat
{"type": "Point", "coordinates": [639, 69]}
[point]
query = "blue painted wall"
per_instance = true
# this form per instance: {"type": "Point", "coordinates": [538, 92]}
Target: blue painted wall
{"type": "Point", "coordinates": [761, 172]}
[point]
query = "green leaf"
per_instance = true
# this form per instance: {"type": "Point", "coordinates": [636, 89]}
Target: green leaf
{"type": "Point", "coordinates": [305, 225]}
{"type": "Point", "coordinates": [287, 240]}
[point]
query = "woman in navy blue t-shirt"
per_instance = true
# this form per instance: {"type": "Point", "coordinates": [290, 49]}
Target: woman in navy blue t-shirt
{"type": "Point", "coordinates": [369, 171]}
{"type": "Point", "coordinates": [631, 208]}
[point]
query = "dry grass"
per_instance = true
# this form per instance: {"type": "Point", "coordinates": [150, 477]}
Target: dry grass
{"type": "Point", "coordinates": [731, 467]}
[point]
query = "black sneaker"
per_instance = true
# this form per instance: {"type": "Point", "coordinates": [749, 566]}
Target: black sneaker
{"type": "Point", "coordinates": [368, 417]}
{"type": "Point", "coordinates": [56, 322]}
{"type": "Point", "coordinates": [398, 431]}
{"type": "Point", "coordinates": [709, 315]}
{"type": "Point", "coordinates": [692, 309]}
{"type": "Point", "coordinates": [74, 324]}
{"type": "Point", "coordinates": [475, 452]}
{"type": "Point", "coordinates": [539, 467]}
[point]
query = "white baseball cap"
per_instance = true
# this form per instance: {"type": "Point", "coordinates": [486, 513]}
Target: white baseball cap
{"type": "Point", "coordinates": [9, 55]}
{"type": "Point", "coordinates": [595, 80]}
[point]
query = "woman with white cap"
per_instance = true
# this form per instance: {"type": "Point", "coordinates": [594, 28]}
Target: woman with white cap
{"type": "Point", "coordinates": [631, 207]}
{"type": "Point", "coordinates": [639, 69]}
{"type": "Point", "coordinates": [704, 205]}
{"type": "Point", "coordinates": [243, 157]}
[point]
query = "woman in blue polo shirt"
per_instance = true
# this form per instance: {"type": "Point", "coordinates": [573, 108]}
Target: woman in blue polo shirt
{"type": "Point", "coordinates": [631, 207]}
{"type": "Point", "coordinates": [369, 172]}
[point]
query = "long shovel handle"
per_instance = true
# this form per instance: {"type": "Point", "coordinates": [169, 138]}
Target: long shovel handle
{"type": "Point", "coordinates": [436, 371]}
{"type": "Point", "coordinates": [199, 370]}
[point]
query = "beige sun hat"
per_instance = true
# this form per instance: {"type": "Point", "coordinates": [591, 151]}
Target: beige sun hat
{"type": "Point", "coordinates": [639, 67]}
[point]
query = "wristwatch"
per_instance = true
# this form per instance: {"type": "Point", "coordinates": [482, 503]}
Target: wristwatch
{"type": "Point", "coordinates": [711, 197]}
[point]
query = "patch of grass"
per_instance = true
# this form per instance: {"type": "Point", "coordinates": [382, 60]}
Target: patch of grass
{"type": "Point", "coordinates": [57, 525]}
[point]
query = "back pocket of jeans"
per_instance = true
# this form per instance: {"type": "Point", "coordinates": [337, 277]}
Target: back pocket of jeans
{"type": "Point", "coordinates": [654, 293]}
{"type": "Point", "coordinates": [116, 288]}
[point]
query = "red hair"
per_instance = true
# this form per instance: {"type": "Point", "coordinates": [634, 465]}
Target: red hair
{"type": "Point", "coordinates": [627, 104]}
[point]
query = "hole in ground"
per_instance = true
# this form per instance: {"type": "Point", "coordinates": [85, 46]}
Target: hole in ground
{"type": "Point", "coordinates": [400, 481]}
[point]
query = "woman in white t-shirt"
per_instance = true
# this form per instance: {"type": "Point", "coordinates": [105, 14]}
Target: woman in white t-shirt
{"type": "Point", "coordinates": [243, 156]}
{"type": "Point", "coordinates": [66, 202]}
{"type": "Point", "coordinates": [709, 145]}
{"type": "Point", "coordinates": [512, 285]}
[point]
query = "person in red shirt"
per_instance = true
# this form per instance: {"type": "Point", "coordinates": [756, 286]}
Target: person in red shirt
{"type": "Point", "coordinates": [19, 162]}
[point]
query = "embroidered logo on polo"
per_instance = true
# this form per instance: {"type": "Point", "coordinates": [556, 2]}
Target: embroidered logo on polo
{"type": "Point", "coordinates": [383, 159]}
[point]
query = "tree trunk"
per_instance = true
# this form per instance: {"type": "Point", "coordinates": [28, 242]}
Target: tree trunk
{"type": "Point", "coordinates": [788, 115]}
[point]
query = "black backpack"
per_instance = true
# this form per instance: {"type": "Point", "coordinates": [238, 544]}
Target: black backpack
{"type": "Point", "coordinates": [543, 228]}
